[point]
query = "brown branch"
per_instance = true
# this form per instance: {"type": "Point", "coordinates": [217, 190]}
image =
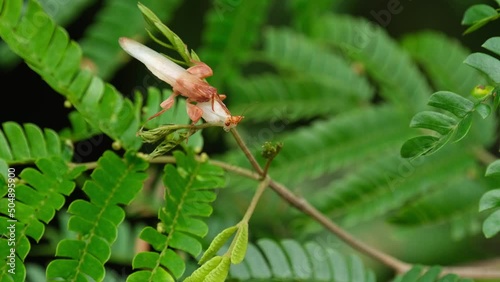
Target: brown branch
{"type": "Point", "coordinates": [246, 151]}
{"type": "Point", "coordinates": [475, 272]}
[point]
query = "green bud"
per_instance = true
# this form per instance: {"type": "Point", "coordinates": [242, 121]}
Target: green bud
{"type": "Point", "coordinates": [240, 245]}
{"type": "Point", "coordinates": [217, 243]}
{"type": "Point", "coordinates": [481, 91]}
{"type": "Point", "coordinates": [270, 150]}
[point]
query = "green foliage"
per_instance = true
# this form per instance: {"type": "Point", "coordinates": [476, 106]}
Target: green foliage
{"type": "Point", "coordinates": [188, 196]}
{"type": "Point", "coordinates": [63, 13]}
{"type": "Point", "coordinates": [59, 66]}
{"type": "Point", "coordinates": [441, 58]}
{"type": "Point", "coordinates": [420, 274]}
{"type": "Point", "coordinates": [448, 127]}
{"type": "Point", "coordinates": [336, 93]}
{"type": "Point", "coordinates": [485, 63]}
{"type": "Point", "coordinates": [491, 200]}
{"type": "Point", "coordinates": [155, 26]}
{"type": "Point", "coordinates": [334, 143]}
{"type": "Point", "coordinates": [397, 76]}
{"type": "Point", "coordinates": [114, 182]}
{"type": "Point", "coordinates": [311, 72]}
{"type": "Point", "coordinates": [394, 184]}
{"type": "Point", "coordinates": [80, 128]}
{"type": "Point", "coordinates": [29, 143]}
{"type": "Point", "coordinates": [231, 30]}
{"type": "Point", "coordinates": [28, 205]}
{"type": "Point", "coordinates": [99, 42]}
{"type": "Point", "coordinates": [289, 260]}
{"type": "Point", "coordinates": [478, 15]}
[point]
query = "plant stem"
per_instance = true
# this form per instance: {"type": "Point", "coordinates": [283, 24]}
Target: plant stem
{"type": "Point", "coordinates": [258, 193]}
{"type": "Point", "coordinates": [302, 205]}
{"type": "Point", "coordinates": [474, 272]}
{"type": "Point", "coordinates": [246, 151]}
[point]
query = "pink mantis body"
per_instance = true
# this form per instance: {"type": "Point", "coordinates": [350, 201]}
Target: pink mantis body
{"type": "Point", "coordinates": [203, 101]}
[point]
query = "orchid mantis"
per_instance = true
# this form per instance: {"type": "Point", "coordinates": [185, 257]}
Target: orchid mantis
{"type": "Point", "coordinates": [203, 101]}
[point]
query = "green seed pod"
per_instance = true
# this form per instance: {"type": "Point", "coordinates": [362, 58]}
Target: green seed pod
{"type": "Point", "coordinates": [219, 273]}
{"type": "Point", "coordinates": [240, 245]}
{"type": "Point", "coordinates": [201, 273]}
{"type": "Point", "coordinates": [217, 243]}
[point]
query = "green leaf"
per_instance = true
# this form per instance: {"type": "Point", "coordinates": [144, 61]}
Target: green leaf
{"type": "Point", "coordinates": [333, 143]}
{"type": "Point", "coordinates": [225, 47]}
{"type": "Point", "coordinates": [398, 78]}
{"type": "Point", "coordinates": [217, 243]}
{"type": "Point", "coordinates": [491, 225]}
{"type": "Point", "coordinates": [438, 122]}
{"type": "Point", "coordinates": [240, 244]}
{"type": "Point", "coordinates": [476, 13]}
{"type": "Point", "coordinates": [432, 206]}
{"type": "Point", "coordinates": [40, 194]}
{"type": "Point", "coordinates": [277, 258]}
{"type": "Point", "coordinates": [190, 192]}
{"type": "Point", "coordinates": [284, 100]}
{"type": "Point", "coordinates": [442, 56]}
{"type": "Point", "coordinates": [419, 146]}
{"type": "Point", "coordinates": [485, 63]}
{"type": "Point", "coordinates": [391, 184]}
{"type": "Point", "coordinates": [451, 102]}
{"type": "Point", "coordinates": [496, 101]}
{"type": "Point", "coordinates": [293, 261]}
{"type": "Point", "coordinates": [57, 59]}
{"type": "Point", "coordinates": [302, 58]}
{"type": "Point", "coordinates": [220, 272]}
{"type": "Point", "coordinates": [477, 16]}
{"type": "Point", "coordinates": [201, 273]}
{"type": "Point", "coordinates": [462, 128]}
{"type": "Point", "coordinates": [99, 43]}
{"type": "Point", "coordinates": [80, 129]}
{"type": "Point", "coordinates": [155, 26]}
{"type": "Point", "coordinates": [28, 143]}
{"type": "Point", "coordinates": [298, 258]}
{"type": "Point", "coordinates": [483, 110]}
{"type": "Point", "coordinates": [489, 200]}
{"type": "Point", "coordinates": [114, 182]}
{"type": "Point", "coordinates": [257, 265]}
{"type": "Point", "coordinates": [492, 44]}
{"type": "Point", "coordinates": [493, 168]}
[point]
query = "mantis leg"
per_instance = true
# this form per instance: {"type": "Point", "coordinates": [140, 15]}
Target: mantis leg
{"type": "Point", "coordinates": [193, 111]}
{"type": "Point", "coordinates": [167, 104]}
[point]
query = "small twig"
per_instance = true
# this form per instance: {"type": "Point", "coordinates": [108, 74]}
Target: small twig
{"type": "Point", "coordinates": [302, 205]}
{"type": "Point", "coordinates": [246, 151]}
{"type": "Point", "coordinates": [258, 193]}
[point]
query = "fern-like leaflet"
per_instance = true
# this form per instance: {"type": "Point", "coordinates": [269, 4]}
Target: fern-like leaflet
{"type": "Point", "coordinates": [289, 260]}
{"type": "Point", "coordinates": [398, 77]}
{"type": "Point", "coordinates": [189, 192]}
{"type": "Point", "coordinates": [491, 201]}
{"type": "Point", "coordinates": [47, 49]}
{"type": "Point", "coordinates": [27, 143]}
{"type": "Point", "coordinates": [446, 126]}
{"type": "Point", "coordinates": [317, 81]}
{"type": "Point", "coordinates": [99, 42]}
{"type": "Point", "coordinates": [114, 182]}
{"type": "Point", "coordinates": [226, 47]}
{"type": "Point", "coordinates": [431, 274]}
{"type": "Point", "coordinates": [37, 197]}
